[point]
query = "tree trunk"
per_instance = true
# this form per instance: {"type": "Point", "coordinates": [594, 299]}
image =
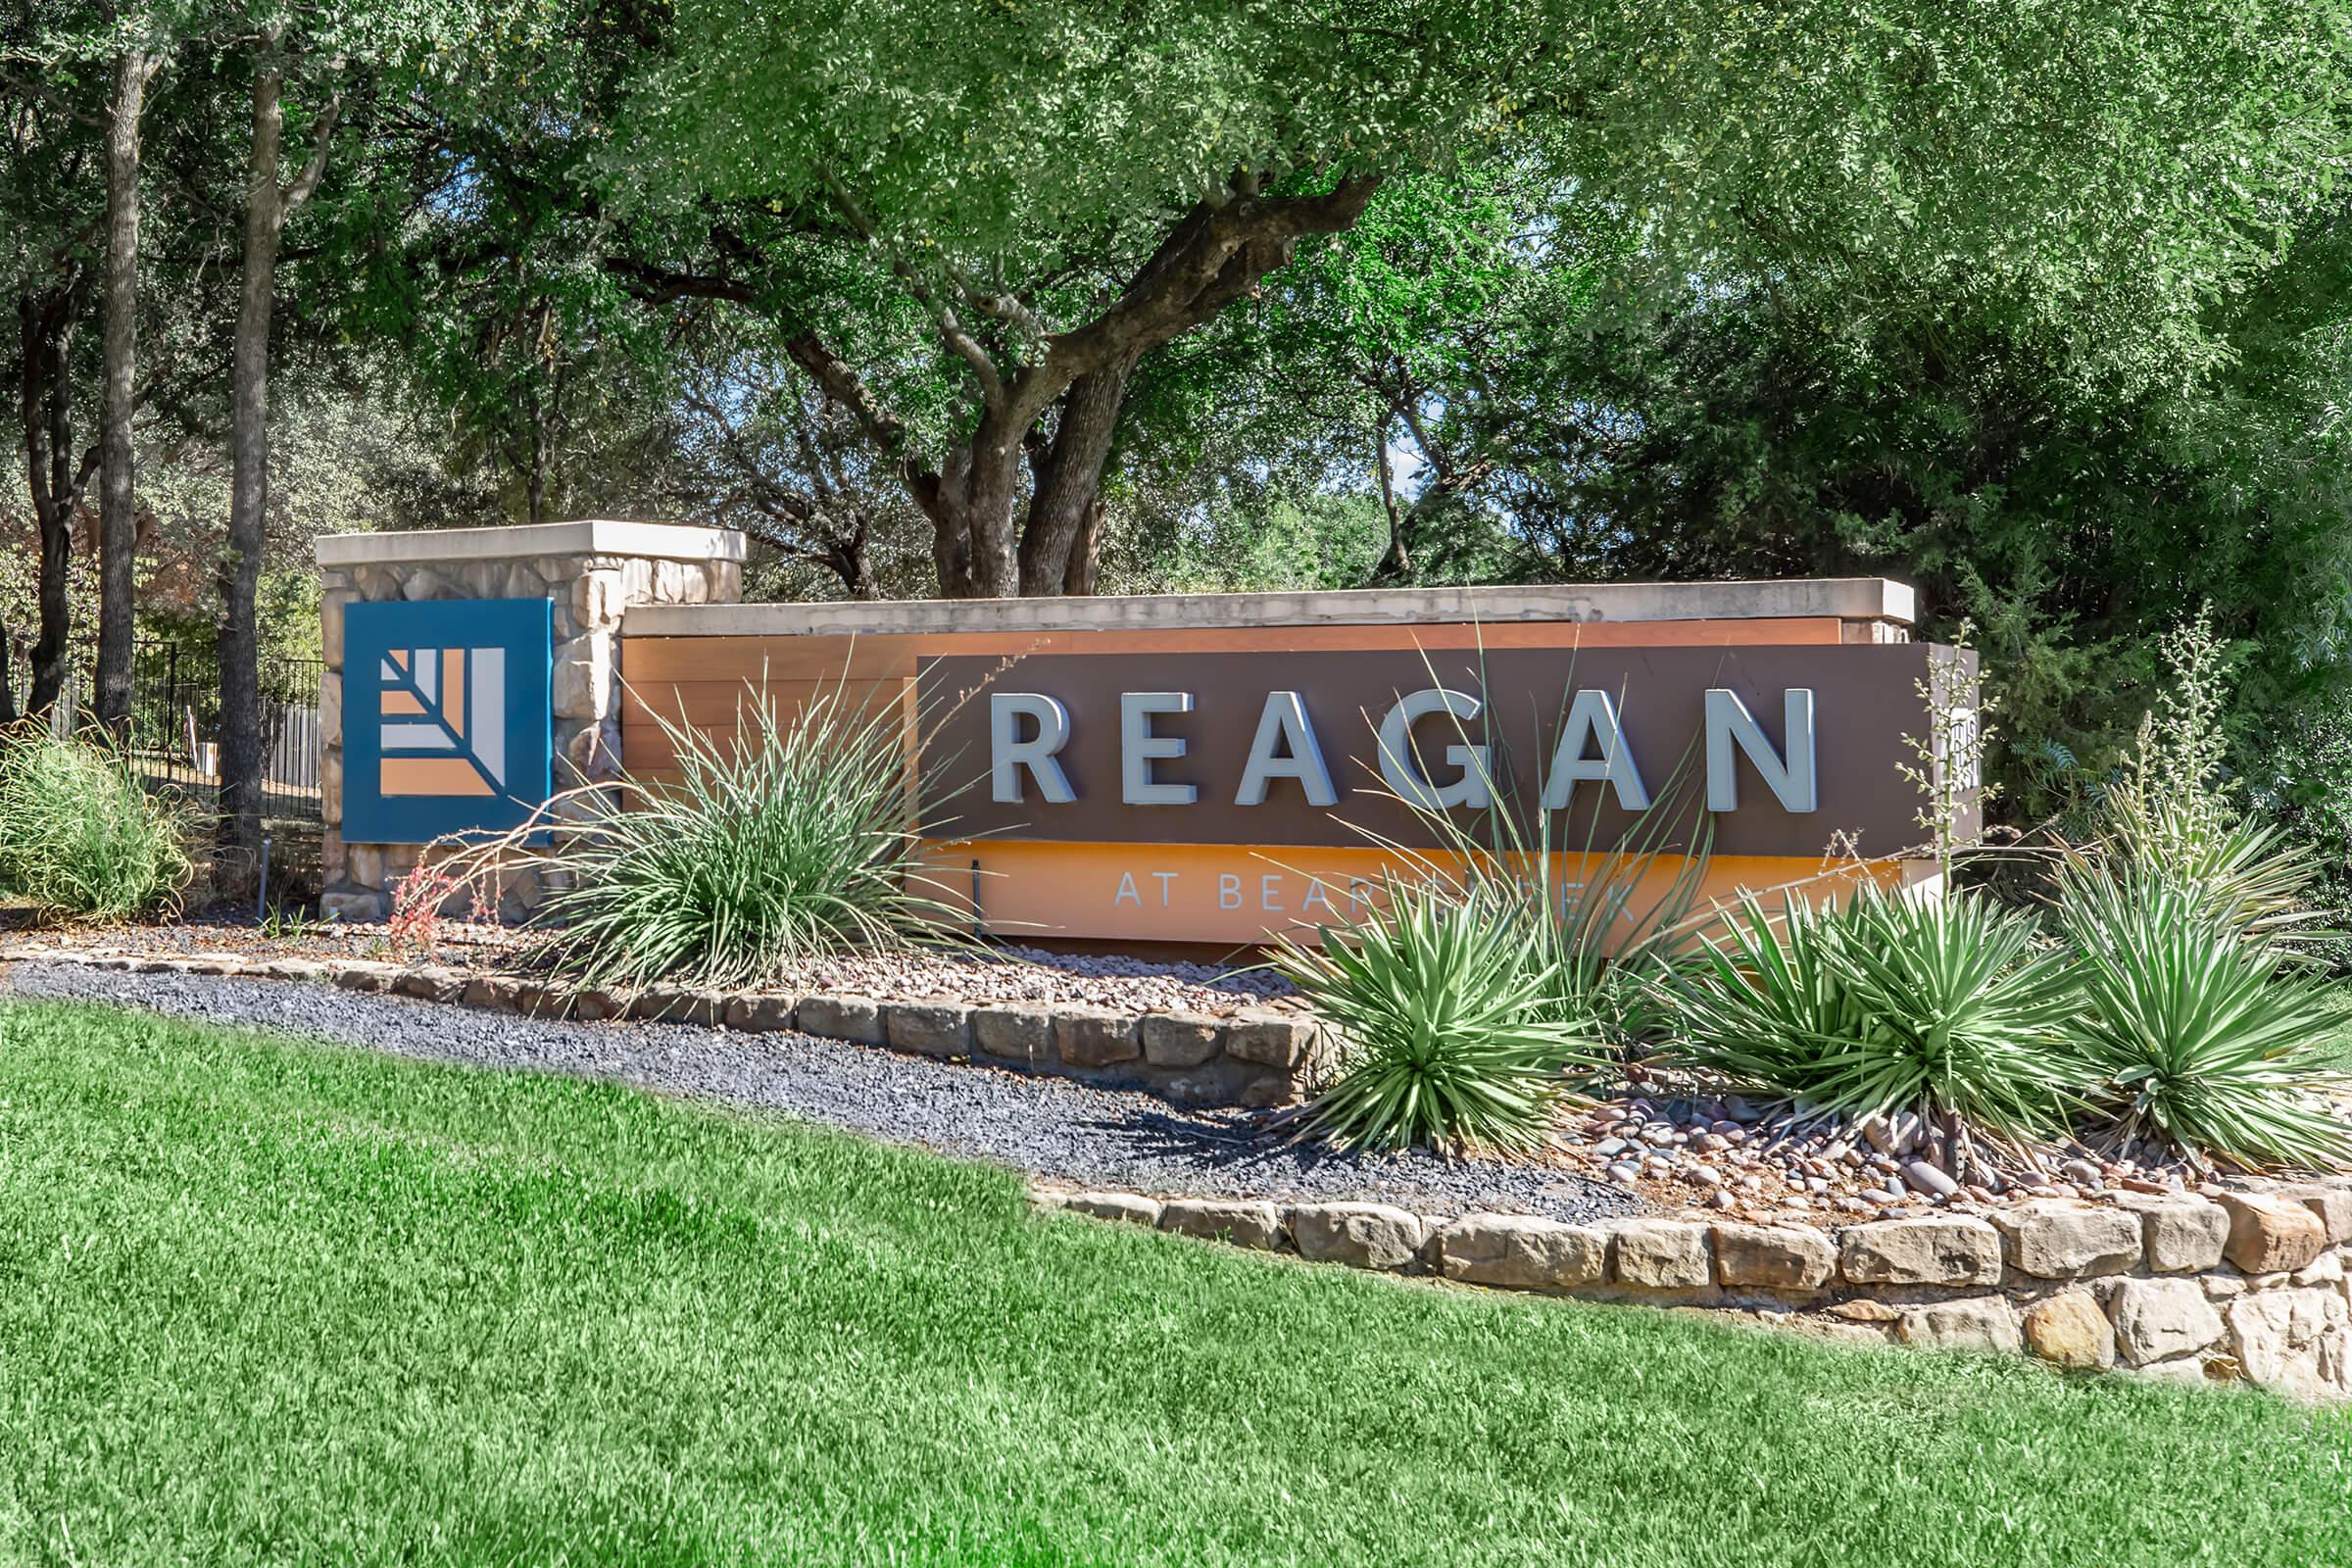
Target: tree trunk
{"type": "Point", "coordinates": [1084, 566]}
{"type": "Point", "coordinates": [45, 333]}
{"type": "Point", "coordinates": [1396, 562]}
{"type": "Point", "coordinates": [8, 696]}
{"type": "Point", "coordinates": [240, 738]}
{"type": "Point", "coordinates": [1065, 504]}
{"type": "Point", "coordinates": [117, 505]}
{"type": "Point", "coordinates": [534, 495]}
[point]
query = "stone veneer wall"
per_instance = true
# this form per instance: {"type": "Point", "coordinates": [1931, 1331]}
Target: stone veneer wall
{"type": "Point", "coordinates": [2223, 1286]}
{"type": "Point", "coordinates": [593, 570]}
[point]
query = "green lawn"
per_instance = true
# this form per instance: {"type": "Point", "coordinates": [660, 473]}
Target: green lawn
{"type": "Point", "coordinates": [268, 1301]}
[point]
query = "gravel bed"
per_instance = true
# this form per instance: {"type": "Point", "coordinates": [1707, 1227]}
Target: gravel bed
{"type": "Point", "coordinates": [989, 973]}
{"type": "Point", "coordinates": [1048, 1127]}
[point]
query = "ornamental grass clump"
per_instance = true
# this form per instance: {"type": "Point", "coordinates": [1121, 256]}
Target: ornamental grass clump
{"type": "Point", "coordinates": [789, 840]}
{"type": "Point", "coordinates": [2197, 1033]}
{"type": "Point", "coordinates": [1890, 1001]}
{"type": "Point", "coordinates": [1445, 1033]}
{"type": "Point", "coordinates": [81, 836]}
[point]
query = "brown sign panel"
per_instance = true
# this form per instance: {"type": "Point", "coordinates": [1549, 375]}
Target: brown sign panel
{"type": "Point", "coordinates": [1865, 706]}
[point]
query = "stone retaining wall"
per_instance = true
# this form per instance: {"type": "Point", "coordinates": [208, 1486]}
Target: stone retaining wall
{"type": "Point", "coordinates": [2223, 1285]}
{"type": "Point", "coordinates": [1256, 1058]}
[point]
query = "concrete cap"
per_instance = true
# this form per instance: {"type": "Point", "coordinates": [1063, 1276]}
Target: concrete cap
{"type": "Point", "coordinates": [584, 536]}
{"type": "Point", "coordinates": [1858, 598]}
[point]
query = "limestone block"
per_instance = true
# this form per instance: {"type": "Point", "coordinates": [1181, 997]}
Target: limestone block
{"type": "Point", "coordinates": [929, 1028]}
{"type": "Point", "coordinates": [760, 1012]}
{"type": "Point", "coordinates": [1241, 1221]}
{"type": "Point", "coordinates": [422, 582]}
{"type": "Point", "coordinates": [1521, 1251]}
{"type": "Point", "coordinates": [1020, 1032]}
{"type": "Point", "coordinates": [597, 599]}
{"type": "Point", "coordinates": [1661, 1254]}
{"type": "Point", "coordinates": [2326, 1269]}
{"type": "Point", "coordinates": [1179, 1039]}
{"type": "Point", "coordinates": [1116, 1206]}
{"type": "Point", "coordinates": [1361, 1235]}
{"type": "Point", "coordinates": [1094, 1037]}
{"type": "Point", "coordinates": [1774, 1258]}
{"type": "Point", "coordinates": [1973, 1323]}
{"type": "Point", "coordinates": [330, 708]}
{"type": "Point", "coordinates": [2070, 1330]}
{"type": "Point", "coordinates": [429, 983]}
{"type": "Point", "coordinates": [583, 677]}
{"type": "Point", "coordinates": [2156, 1320]}
{"type": "Point", "coordinates": [596, 1003]}
{"type": "Point", "coordinates": [2271, 1234]}
{"type": "Point", "coordinates": [364, 864]}
{"type": "Point", "coordinates": [363, 975]}
{"type": "Point", "coordinates": [330, 785]}
{"type": "Point", "coordinates": [330, 626]}
{"type": "Point", "coordinates": [2331, 1202]}
{"type": "Point", "coordinates": [1270, 1038]}
{"type": "Point", "coordinates": [666, 1004]}
{"type": "Point", "coordinates": [852, 1019]}
{"type": "Point", "coordinates": [491, 991]}
{"type": "Point", "coordinates": [352, 908]}
{"type": "Point", "coordinates": [2293, 1341]}
{"type": "Point", "coordinates": [2051, 1238]}
{"type": "Point", "coordinates": [2179, 1234]}
{"type": "Point", "coordinates": [1921, 1252]}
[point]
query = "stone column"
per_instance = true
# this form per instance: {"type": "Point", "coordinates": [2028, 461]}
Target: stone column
{"type": "Point", "coordinates": [592, 571]}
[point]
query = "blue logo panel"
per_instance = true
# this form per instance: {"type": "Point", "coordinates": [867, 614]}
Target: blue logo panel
{"type": "Point", "coordinates": [447, 726]}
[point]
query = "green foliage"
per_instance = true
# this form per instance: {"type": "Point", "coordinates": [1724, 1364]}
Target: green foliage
{"type": "Point", "coordinates": [787, 840]}
{"type": "Point", "coordinates": [83, 839]}
{"type": "Point", "coordinates": [1886, 1002]}
{"type": "Point", "coordinates": [1445, 1035]}
{"type": "Point", "coordinates": [2194, 1034]}
{"type": "Point", "coordinates": [2170, 821]}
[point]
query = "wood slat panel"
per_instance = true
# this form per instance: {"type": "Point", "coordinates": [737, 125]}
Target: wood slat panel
{"type": "Point", "coordinates": [828, 656]}
{"type": "Point", "coordinates": [708, 704]}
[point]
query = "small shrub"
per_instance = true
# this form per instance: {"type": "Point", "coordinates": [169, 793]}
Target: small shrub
{"type": "Point", "coordinates": [81, 836]}
{"type": "Point", "coordinates": [1445, 1035]}
{"type": "Point", "coordinates": [1886, 1002]}
{"type": "Point", "coordinates": [421, 900]}
{"type": "Point", "coordinates": [786, 841]}
{"type": "Point", "coordinates": [2195, 1032]}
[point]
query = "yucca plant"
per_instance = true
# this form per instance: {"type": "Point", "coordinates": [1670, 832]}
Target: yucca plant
{"type": "Point", "coordinates": [81, 836]}
{"type": "Point", "coordinates": [1600, 914]}
{"type": "Point", "coordinates": [2196, 1032]}
{"type": "Point", "coordinates": [1444, 1032]}
{"type": "Point", "coordinates": [786, 841]}
{"type": "Point", "coordinates": [2243, 874]}
{"type": "Point", "coordinates": [1887, 1002]}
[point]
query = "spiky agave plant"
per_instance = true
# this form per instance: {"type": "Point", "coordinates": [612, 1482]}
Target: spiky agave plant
{"type": "Point", "coordinates": [1886, 1002]}
{"type": "Point", "coordinates": [2196, 1031]}
{"type": "Point", "coordinates": [1445, 1034]}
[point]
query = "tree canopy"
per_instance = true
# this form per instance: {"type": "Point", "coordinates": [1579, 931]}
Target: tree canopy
{"type": "Point", "coordinates": [2038, 303]}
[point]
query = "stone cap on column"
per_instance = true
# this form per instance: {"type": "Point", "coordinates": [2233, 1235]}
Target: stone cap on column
{"type": "Point", "coordinates": [581, 536]}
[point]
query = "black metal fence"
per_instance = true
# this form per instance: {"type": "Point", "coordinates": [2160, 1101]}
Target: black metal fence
{"type": "Point", "coordinates": [175, 715]}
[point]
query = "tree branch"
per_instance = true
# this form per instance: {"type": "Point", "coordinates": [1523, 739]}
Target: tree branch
{"type": "Point", "coordinates": [294, 195]}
